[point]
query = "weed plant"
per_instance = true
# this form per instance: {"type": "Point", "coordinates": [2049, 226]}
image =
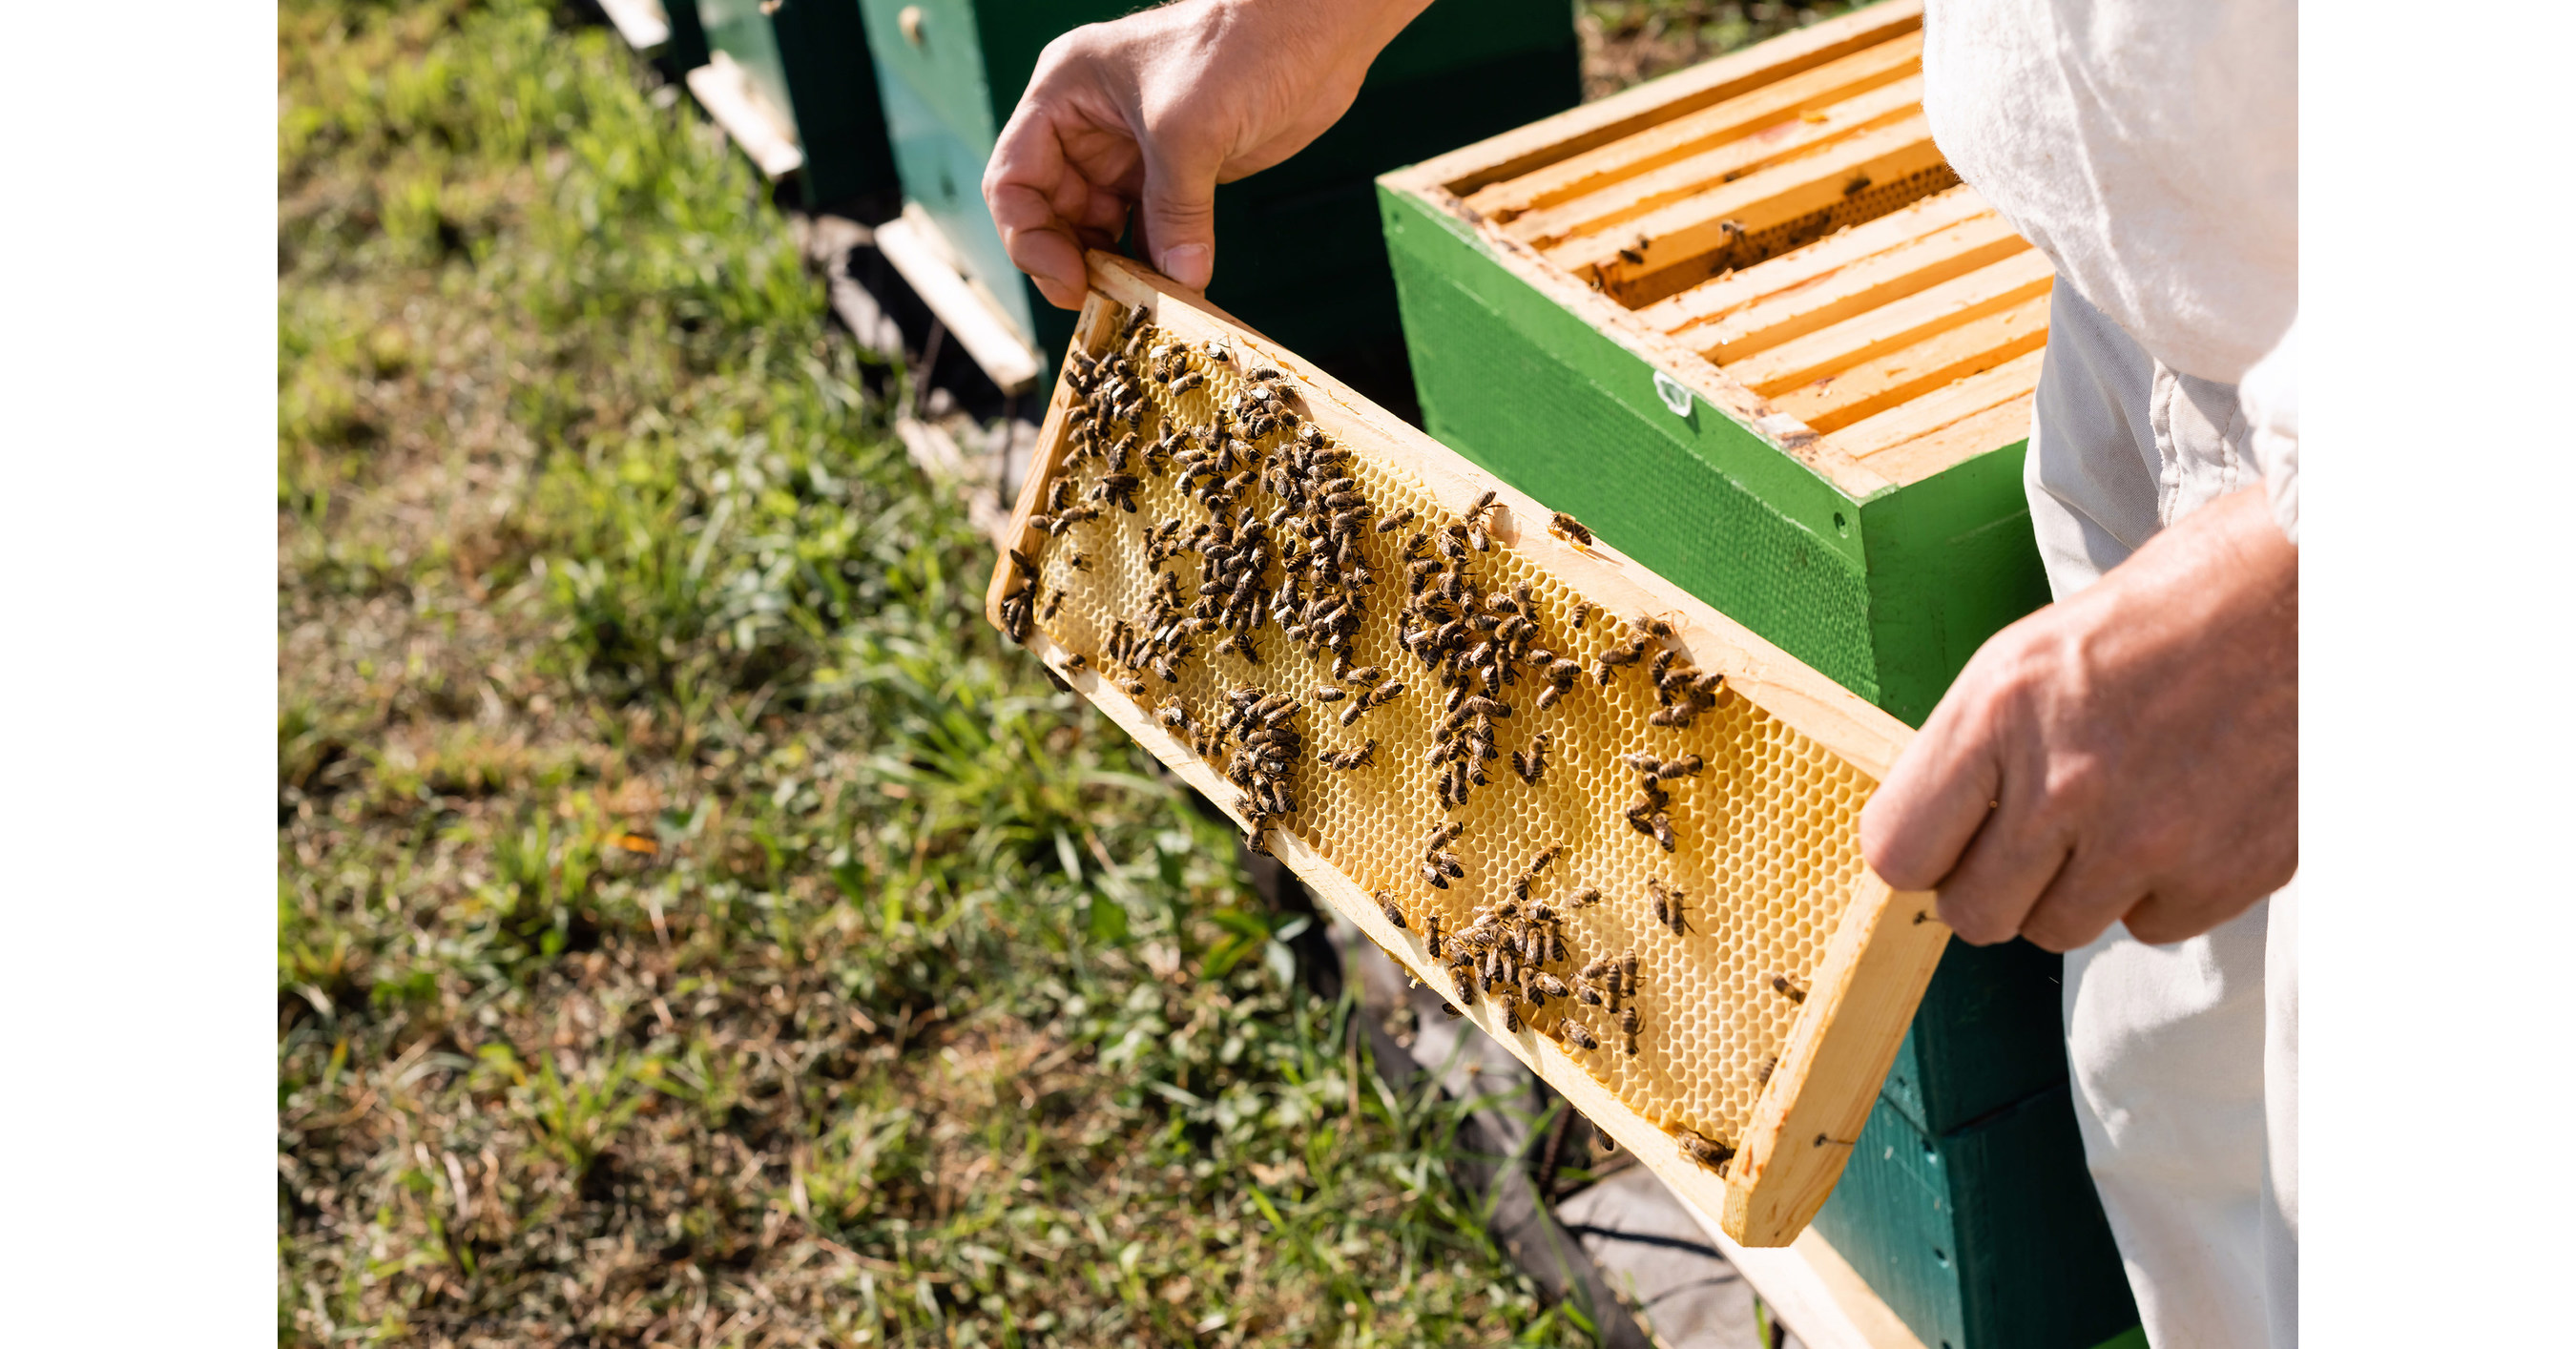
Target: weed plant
{"type": "Point", "coordinates": [694, 927]}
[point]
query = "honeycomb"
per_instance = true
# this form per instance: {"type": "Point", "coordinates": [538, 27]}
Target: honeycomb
{"type": "Point", "coordinates": [1764, 837]}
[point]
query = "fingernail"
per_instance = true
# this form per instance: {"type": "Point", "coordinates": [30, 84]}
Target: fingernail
{"type": "Point", "coordinates": [1187, 264]}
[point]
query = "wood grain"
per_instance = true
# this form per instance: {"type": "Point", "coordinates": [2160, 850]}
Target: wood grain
{"type": "Point", "coordinates": [1942, 408]}
{"type": "Point", "coordinates": [1526, 149]}
{"type": "Point", "coordinates": [1881, 382]}
{"type": "Point", "coordinates": [1630, 198]}
{"type": "Point", "coordinates": [1777, 105]}
{"type": "Point", "coordinates": [1997, 286]}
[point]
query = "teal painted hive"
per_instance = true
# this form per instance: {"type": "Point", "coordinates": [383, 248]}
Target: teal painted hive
{"type": "Point", "coordinates": [1299, 251]}
{"type": "Point", "coordinates": [1746, 325]}
{"type": "Point", "coordinates": [808, 61]}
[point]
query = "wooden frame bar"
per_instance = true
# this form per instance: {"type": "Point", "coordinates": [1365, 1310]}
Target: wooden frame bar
{"type": "Point", "coordinates": [1882, 951]}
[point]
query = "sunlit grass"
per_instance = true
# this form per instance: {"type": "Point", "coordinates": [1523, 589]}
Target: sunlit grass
{"type": "Point", "coordinates": [695, 927]}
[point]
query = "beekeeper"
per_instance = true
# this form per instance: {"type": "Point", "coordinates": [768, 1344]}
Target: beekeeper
{"type": "Point", "coordinates": [2115, 776]}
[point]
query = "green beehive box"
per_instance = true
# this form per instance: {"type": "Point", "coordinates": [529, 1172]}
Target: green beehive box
{"type": "Point", "coordinates": [1745, 323]}
{"type": "Point", "coordinates": [805, 63]}
{"type": "Point", "coordinates": [1977, 1236]}
{"type": "Point", "coordinates": [687, 48]}
{"type": "Point", "coordinates": [1299, 254]}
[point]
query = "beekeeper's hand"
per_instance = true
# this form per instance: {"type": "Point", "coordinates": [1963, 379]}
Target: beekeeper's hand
{"type": "Point", "coordinates": [1145, 115]}
{"type": "Point", "coordinates": [2130, 754]}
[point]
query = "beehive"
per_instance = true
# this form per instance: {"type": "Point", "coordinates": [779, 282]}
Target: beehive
{"type": "Point", "coordinates": [806, 63]}
{"type": "Point", "coordinates": [1765, 1012]}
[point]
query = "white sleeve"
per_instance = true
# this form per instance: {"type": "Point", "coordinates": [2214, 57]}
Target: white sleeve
{"type": "Point", "coordinates": [2270, 395]}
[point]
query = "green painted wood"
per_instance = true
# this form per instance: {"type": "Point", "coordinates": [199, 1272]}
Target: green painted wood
{"type": "Point", "coordinates": [1301, 256]}
{"type": "Point", "coordinates": [809, 58]}
{"type": "Point", "coordinates": [1986, 1035]}
{"type": "Point", "coordinates": [687, 48]}
{"type": "Point", "coordinates": [1987, 1237]}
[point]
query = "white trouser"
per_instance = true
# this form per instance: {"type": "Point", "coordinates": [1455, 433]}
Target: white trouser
{"type": "Point", "coordinates": [2185, 1057]}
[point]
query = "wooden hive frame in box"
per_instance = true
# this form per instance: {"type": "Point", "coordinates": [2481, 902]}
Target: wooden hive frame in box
{"type": "Point", "coordinates": [1774, 996]}
{"type": "Point", "coordinates": [1781, 226]}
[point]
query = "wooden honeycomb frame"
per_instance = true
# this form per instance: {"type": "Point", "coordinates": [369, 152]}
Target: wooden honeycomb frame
{"type": "Point", "coordinates": [1776, 229]}
{"type": "Point", "coordinates": [1879, 955]}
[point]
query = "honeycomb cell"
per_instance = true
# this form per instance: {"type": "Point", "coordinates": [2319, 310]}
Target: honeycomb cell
{"type": "Point", "coordinates": [1765, 840]}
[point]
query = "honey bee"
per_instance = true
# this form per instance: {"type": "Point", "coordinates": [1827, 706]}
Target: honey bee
{"type": "Point", "coordinates": [1668, 906]}
{"type": "Point", "coordinates": [1511, 1018]}
{"type": "Point", "coordinates": [1685, 766]}
{"type": "Point", "coordinates": [1450, 1010]}
{"type": "Point", "coordinates": [1351, 758]}
{"type": "Point", "coordinates": [1545, 855]}
{"type": "Point", "coordinates": [1079, 561]}
{"type": "Point", "coordinates": [1713, 1155]}
{"type": "Point", "coordinates": [1577, 1036]}
{"type": "Point", "coordinates": [1431, 934]}
{"type": "Point", "coordinates": [1629, 1022]}
{"type": "Point", "coordinates": [1548, 983]}
{"type": "Point", "coordinates": [1532, 762]}
{"type": "Point", "coordinates": [1584, 898]}
{"type": "Point", "coordinates": [1762, 1075]}
{"type": "Point", "coordinates": [1394, 914]}
{"type": "Point", "coordinates": [1074, 663]}
{"type": "Point", "coordinates": [1781, 984]}
{"type": "Point", "coordinates": [1568, 528]}
{"type": "Point", "coordinates": [1054, 601]}
{"type": "Point", "coordinates": [1329, 694]}
{"type": "Point", "coordinates": [1656, 627]}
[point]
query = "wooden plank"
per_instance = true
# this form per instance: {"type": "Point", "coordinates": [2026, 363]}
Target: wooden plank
{"type": "Point", "coordinates": [1525, 149]}
{"type": "Point", "coordinates": [1875, 969]}
{"type": "Point", "coordinates": [1884, 277]}
{"type": "Point", "coordinates": [1868, 966]}
{"type": "Point", "coordinates": [766, 134]}
{"type": "Point", "coordinates": [912, 244]}
{"type": "Point", "coordinates": [1881, 382]}
{"type": "Point", "coordinates": [1624, 200]}
{"type": "Point", "coordinates": [1691, 134]}
{"type": "Point", "coordinates": [1634, 251]}
{"type": "Point", "coordinates": [1835, 347]}
{"type": "Point", "coordinates": [1799, 268]}
{"type": "Point", "coordinates": [1930, 452]}
{"type": "Point", "coordinates": [1945, 407]}
{"type": "Point", "coordinates": [641, 22]}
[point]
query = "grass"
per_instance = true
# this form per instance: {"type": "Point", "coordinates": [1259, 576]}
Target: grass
{"type": "Point", "coordinates": [694, 927]}
{"type": "Point", "coordinates": [1628, 41]}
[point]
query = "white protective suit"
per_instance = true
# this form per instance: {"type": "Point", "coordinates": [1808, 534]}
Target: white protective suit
{"type": "Point", "coordinates": [2151, 151]}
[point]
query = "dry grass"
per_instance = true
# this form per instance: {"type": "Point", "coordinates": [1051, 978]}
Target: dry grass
{"type": "Point", "coordinates": [1628, 41]}
{"type": "Point", "coordinates": [693, 927]}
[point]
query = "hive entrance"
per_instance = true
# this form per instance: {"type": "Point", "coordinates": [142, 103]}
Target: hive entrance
{"type": "Point", "coordinates": [1762, 854]}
